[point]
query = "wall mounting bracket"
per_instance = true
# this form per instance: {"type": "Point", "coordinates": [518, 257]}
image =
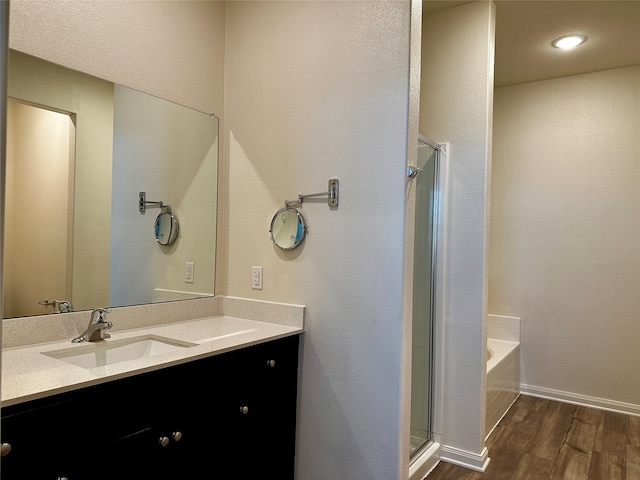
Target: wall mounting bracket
{"type": "Point", "coordinates": [142, 203]}
{"type": "Point", "coordinates": [331, 193]}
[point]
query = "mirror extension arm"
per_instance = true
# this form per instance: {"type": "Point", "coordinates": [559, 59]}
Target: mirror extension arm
{"type": "Point", "coordinates": [331, 193]}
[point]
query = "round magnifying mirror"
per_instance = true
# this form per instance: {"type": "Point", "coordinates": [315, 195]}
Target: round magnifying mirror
{"type": "Point", "coordinates": [166, 228]}
{"type": "Point", "coordinates": [288, 228]}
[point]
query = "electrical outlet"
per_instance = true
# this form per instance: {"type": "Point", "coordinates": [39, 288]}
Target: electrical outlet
{"type": "Point", "coordinates": [256, 280]}
{"type": "Point", "coordinates": [188, 272]}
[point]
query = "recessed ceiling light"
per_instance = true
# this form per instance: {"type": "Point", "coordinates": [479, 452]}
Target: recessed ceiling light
{"type": "Point", "coordinates": [569, 41]}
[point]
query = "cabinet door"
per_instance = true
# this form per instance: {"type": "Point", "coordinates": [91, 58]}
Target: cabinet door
{"type": "Point", "coordinates": [176, 452]}
{"type": "Point", "coordinates": [127, 458]}
{"type": "Point", "coordinates": [161, 452]}
{"type": "Point", "coordinates": [145, 432]}
{"type": "Point", "coordinates": [258, 411]}
{"type": "Point", "coordinates": [275, 397]}
{"type": "Point", "coordinates": [40, 435]}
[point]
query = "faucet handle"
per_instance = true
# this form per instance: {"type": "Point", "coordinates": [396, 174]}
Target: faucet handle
{"type": "Point", "coordinates": [98, 315]}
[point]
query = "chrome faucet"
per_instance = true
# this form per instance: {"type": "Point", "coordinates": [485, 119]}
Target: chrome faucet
{"type": "Point", "coordinates": [97, 326]}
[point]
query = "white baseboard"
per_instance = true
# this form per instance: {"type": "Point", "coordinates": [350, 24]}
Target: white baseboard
{"type": "Point", "coordinates": [583, 400]}
{"type": "Point", "coordinates": [465, 459]}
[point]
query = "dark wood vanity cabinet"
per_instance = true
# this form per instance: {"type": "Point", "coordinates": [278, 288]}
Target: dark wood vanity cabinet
{"type": "Point", "coordinates": [228, 416]}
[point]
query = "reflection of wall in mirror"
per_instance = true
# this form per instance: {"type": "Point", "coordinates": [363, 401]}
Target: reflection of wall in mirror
{"type": "Point", "coordinates": [171, 153]}
{"type": "Point", "coordinates": [39, 194]}
{"type": "Point", "coordinates": [129, 44]}
{"type": "Point", "coordinates": [91, 100]}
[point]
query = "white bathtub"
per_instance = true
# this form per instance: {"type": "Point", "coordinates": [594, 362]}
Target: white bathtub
{"type": "Point", "coordinates": [498, 350]}
{"type": "Point", "coordinates": [503, 379]}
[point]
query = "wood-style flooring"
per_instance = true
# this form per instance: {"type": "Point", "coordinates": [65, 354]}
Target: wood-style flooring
{"type": "Point", "coordinates": [546, 440]}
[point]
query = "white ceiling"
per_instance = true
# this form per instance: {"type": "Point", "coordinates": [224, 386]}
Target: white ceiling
{"type": "Point", "coordinates": [526, 28]}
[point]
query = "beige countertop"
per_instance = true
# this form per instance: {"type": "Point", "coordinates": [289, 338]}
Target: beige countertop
{"type": "Point", "coordinates": [28, 373]}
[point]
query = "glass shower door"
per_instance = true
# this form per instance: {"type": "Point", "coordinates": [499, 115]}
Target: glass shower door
{"type": "Point", "coordinates": [426, 214]}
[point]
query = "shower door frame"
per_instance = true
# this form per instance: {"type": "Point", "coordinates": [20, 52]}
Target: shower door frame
{"type": "Point", "coordinates": [427, 456]}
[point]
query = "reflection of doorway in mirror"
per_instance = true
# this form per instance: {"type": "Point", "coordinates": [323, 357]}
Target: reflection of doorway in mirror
{"type": "Point", "coordinates": [39, 209]}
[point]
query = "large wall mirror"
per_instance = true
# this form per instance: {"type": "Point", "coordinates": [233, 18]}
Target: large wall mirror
{"type": "Point", "coordinates": [79, 151]}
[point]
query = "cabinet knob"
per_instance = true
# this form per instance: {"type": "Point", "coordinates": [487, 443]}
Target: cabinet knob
{"type": "Point", "coordinates": [5, 448]}
{"type": "Point", "coordinates": [164, 441]}
{"type": "Point", "coordinates": [271, 363]}
{"type": "Point", "coordinates": [177, 436]}
{"type": "Point", "coordinates": [244, 410]}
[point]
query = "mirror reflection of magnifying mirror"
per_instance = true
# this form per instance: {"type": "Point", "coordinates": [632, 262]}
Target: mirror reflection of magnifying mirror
{"type": "Point", "coordinates": [288, 228]}
{"type": "Point", "coordinates": [166, 228]}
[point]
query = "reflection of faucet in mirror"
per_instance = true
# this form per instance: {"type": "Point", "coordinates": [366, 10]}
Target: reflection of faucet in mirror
{"type": "Point", "coordinates": [64, 306]}
{"type": "Point", "coordinates": [97, 326]}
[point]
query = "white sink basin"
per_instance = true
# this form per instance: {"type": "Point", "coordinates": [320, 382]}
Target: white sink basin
{"type": "Point", "coordinates": [115, 351]}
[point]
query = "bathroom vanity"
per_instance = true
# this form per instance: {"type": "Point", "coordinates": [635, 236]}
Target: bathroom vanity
{"type": "Point", "coordinates": [223, 408]}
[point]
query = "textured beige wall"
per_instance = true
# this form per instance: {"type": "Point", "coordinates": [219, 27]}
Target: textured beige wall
{"type": "Point", "coordinates": [174, 50]}
{"type": "Point", "coordinates": [316, 90]}
{"type": "Point", "coordinates": [456, 107]}
{"type": "Point", "coordinates": [565, 230]}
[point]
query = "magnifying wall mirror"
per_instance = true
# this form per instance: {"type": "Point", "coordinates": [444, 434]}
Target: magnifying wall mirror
{"type": "Point", "coordinates": [166, 228]}
{"type": "Point", "coordinates": [288, 228]}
